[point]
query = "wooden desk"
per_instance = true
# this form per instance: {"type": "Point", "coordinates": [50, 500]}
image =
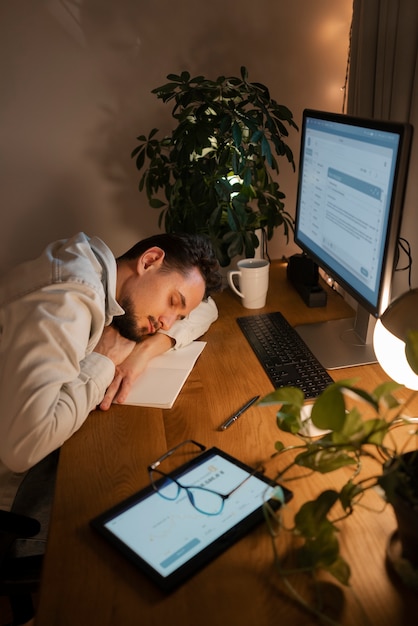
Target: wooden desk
{"type": "Point", "coordinates": [86, 582]}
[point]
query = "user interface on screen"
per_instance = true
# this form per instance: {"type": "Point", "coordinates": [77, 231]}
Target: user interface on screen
{"type": "Point", "coordinates": [170, 539]}
{"type": "Point", "coordinates": [345, 197]}
{"type": "Point", "coordinates": [167, 534]}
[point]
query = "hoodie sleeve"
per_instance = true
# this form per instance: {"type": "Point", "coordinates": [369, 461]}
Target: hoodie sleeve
{"type": "Point", "coordinates": [49, 377]}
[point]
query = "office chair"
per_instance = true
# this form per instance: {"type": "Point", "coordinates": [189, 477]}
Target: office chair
{"type": "Point", "coordinates": [19, 576]}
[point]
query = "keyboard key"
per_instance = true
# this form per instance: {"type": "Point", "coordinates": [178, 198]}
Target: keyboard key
{"type": "Point", "coordinates": [283, 354]}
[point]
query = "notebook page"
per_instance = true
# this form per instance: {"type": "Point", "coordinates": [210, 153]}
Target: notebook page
{"type": "Point", "coordinates": [164, 377]}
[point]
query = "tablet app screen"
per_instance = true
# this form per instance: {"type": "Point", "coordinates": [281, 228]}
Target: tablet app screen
{"type": "Point", "coordinates": [168, 533]}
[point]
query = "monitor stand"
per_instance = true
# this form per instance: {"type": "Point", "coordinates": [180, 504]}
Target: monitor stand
{"type": "Point", "coordinates": [341, 343]}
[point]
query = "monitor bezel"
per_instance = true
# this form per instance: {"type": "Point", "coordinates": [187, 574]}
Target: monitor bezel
{"type": "Point", "coordinates": [404, 132]}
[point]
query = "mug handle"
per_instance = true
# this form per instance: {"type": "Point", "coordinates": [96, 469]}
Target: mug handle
{"type": "Point", "coordinates": [231, 283]}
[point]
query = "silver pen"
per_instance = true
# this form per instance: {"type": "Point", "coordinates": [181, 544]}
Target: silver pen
{"type": "Point", "coordinates": [236, 415]}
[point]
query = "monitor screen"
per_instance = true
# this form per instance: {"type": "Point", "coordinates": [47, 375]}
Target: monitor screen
{"type": "Point", "coordinates": [352, 175]}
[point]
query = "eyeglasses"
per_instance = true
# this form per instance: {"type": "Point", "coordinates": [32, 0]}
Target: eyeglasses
{"type": "Point", "coordinates": [204, 500]}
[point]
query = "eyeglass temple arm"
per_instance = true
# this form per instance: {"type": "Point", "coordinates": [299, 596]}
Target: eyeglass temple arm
{"type": "Point", "coordinates": [260, 468]}
{"type": "Point", "coordinates": [172, 450]}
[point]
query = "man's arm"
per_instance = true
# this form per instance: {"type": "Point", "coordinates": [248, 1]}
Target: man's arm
{"type": "Point", "coordinates": [127, 372]}
{"type": "Point", "coordinates": [181, 334]}
{"type": "Point", "coordinates": [50, 379]}
{"type": "Point", "coordinates": [115, 347]}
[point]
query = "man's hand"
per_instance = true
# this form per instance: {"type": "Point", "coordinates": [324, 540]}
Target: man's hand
{"type": "Point", "coordinates": [114, 346]}
{"type": "Point", "coordinates": [134, 364]}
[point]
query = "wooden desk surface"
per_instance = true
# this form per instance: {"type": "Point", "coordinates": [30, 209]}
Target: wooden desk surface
{"type": "Point", "coordinates": [86, 582]}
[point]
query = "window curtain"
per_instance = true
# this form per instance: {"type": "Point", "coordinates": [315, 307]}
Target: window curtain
{"type": "Point", "coordinates": [383, 84]}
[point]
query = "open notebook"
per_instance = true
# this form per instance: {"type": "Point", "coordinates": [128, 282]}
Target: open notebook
{"type": "Point", "coordinates": [164, 377]}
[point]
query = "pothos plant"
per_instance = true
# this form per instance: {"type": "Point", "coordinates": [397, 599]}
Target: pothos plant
{"type": "Point", "coordinates": [216, 173]}
{"type": "Point", "coordinates": [349, 438]}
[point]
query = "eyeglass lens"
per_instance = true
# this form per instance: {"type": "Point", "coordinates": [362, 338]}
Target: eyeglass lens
{"type": "Point", "coordinates": [204, 500]}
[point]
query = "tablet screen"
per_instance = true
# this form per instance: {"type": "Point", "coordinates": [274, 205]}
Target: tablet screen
{"type": "Point", "coordinates": [170, 539]}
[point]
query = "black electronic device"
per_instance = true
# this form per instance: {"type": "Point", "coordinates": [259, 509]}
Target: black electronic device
{"type": "Point", "coordinates": [302, 270]}
{"type": "Point", "coordinates": [352, 175]}
{"type": "Point", "coordinates": [284, 356]}
{"type": "Point", "coordinates": [303, 273]}
{"type": "Point", "coordinates": [170, 540]}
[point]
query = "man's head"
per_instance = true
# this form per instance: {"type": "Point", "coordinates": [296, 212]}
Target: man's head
{"type": "Point", "coordinates": [161, 279]}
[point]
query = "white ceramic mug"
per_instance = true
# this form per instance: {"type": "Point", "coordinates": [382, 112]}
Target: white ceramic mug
{"type": "Point", "coordinates": [253, 278]}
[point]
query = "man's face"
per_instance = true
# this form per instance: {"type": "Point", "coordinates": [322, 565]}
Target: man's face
{"type": "Point", "coordinates": [154, 299]}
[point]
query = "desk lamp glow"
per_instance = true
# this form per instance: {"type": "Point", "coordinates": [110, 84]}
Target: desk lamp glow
{"type": "Point", "coordinates": [391, 333]}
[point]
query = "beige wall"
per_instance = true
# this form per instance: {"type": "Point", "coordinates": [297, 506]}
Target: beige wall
{"type": "Point", "coordinates": [76, 78]}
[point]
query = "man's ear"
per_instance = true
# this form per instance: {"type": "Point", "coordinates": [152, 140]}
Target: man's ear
{"type": "Point", "coordinates": [151, 259]}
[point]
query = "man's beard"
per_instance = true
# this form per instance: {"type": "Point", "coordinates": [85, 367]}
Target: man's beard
{"type": "Point", "coordinates": [127, 326]}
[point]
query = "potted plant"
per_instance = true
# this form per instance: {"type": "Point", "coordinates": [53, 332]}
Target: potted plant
{"type": "Point", "coordinates": [348, 437]}
{"type": "Point", "coordinates": [216, 174]}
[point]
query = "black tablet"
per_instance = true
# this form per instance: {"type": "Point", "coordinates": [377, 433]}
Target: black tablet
{"type": "Point", "coordinates": [170, 539]}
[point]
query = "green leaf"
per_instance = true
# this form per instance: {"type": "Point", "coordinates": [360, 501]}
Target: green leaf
{"type": "Point", "coordinates": [235, 247]}
{"type": "Point", "coordinates": [135, 151]}
{"type": "Point", "coordinates": [266, 150]}
{"type": "Point", "coordinates": [328, 412]}
{"type": "Point", "coordinates": [375, 431]}
{"type": "Point", "coordinates": [289, 420]}
{"type": "Point", "coordinates": [313, 514]}
{"type": "Point", "coordinates": [356, 393]}
{"type": "Point", "coordinates": [236, 134]}
{"type": "Point", "coordinates": [325, 460]}
{"type": "Point", "coordinates": [357, 431]}
{"type": "Point", "coordinates": [156, 204]}
{"type": "Point", "coordinates": [348, 494]}
{"type": "Point", "coordinates": [285, 395]}
{"type": "Point", "coordinates": [256, 136]}
{"type": "Point", "coordinates": [279, 446]}
{"type": "Point", "coordinates": [247, 176]}
{"type": "Point", "coordinates": [291, 400]}
{"type": "Point", "coordinates": [321, 549]}
{"type": "Point", "coordinates": [352, 428]}
{"type": "Point", "coordinates": [340, 570]}
{"type": "Point", "coordinates": [383, 393]}
{"type": "Point", "coordinates": [185, 76]}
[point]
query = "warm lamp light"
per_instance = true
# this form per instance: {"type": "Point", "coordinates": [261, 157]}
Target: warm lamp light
{"type": "Point", "coordinates": [389, 338]}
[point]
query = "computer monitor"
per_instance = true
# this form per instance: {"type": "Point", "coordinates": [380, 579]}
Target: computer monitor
{"type": "Point", "coordinates": [352, 175]}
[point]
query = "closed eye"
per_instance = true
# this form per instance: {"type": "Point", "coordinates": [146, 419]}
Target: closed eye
{"type": "Point", "coordinates": [178, 300]}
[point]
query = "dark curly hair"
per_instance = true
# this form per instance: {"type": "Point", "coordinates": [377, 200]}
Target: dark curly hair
{"type": "Point", "coordinates": [182, 253]}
